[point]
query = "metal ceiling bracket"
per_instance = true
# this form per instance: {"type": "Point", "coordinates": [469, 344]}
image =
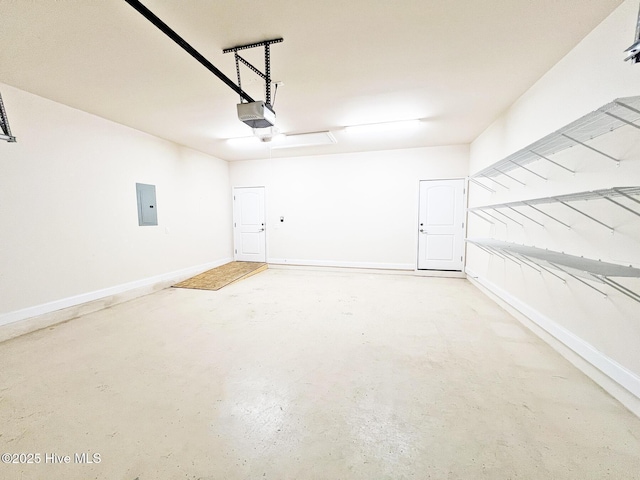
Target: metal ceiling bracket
{"type": "Point", "coordinates": [266, 76]}
{"type": "Point", "coordinates": [5, 131]}
{"type": "Point", "coordinates": [591, 148]}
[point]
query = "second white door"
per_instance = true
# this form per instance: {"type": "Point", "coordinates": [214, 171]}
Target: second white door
{"type": "Point", "coordinates": [249, 227]}
{"type": "Point", "coordinates": [441, 225]}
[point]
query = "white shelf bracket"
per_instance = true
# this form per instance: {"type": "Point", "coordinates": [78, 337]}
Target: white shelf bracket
{"type": "Point", "coordinates": [586, 215]}
{"type": "Point", "coordinates": [528, 170]}
{"type": "Point", "coordinates": [480, 216]}
{"type": "Point", "coordinates": [551, 161]}
{"type": "Point", "coordinates": [620, 205]}
{"type": "Point", "coordinates": [547, 215]}
{"type": "Point", "coordinates": [604, 295]}
{"type": "Point", "coordinates": [509, 176]}
{"type": "Point", "coordinates": [591, 148]}
{"type": "Point", "coordinates": [472, 180]}
{"type": "Point", "coordinates": [507, 216]}
{"type": "Point", "coordinates": [544, 268]}
{"type": "Point", "coordinates": [496, 182]}
{"type": "Point", "coordinates": [622, 289]}
{"type": "Point", "coordinates": [525, 216]}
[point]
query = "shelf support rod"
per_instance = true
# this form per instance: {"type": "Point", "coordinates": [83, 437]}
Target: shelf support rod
{"type": "Point", "coordinates": [628, 107]}
{"type": "Point", "coordinates": [510, 257]}
{"type": "Point", "coordinates": [480, 216]}
{"type": "Point", "coordinates": [507, 216]}
{"type": "Point", "coordinates": [622, 119]}
{"type": "Point", "coordinates": [482, 185]}
{"type": "Point", "coordinates": [555, 163]}
{"type": "Point", "coordinates": [529, 170]}
{"type": "Point", "coordinates": [622, 289]}
{"type": "Point", "coordinates": [495, 181]}
{"type": "Point", "coordinates": [619, 204]}
{"type": "Point", "coordinates": [495, 218]}
{"type": "Point", "coordinates": [547, 215]}
{"type": "Point", "coordinates": [544, 268]}
{"type": "Point", "coordinates": [525, 216]}
{"type": "Point", "coordinates": [617, 190]}
{"type": "Point", "coordinates": [591, 148]}
{"type": "Point", "coordinates": [585, 214]}
{"type": "Point", "coordinates": [527, 263]}
{"type": "Point", "coordinates": [490, 252]}
{"type": "Point", "coordinates": [580, 280]}
{"type": "Point", "coordinates": [509, 176]}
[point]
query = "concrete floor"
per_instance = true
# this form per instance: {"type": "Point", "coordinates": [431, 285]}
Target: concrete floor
{"type": "Point", "coordinates": [301, 374]}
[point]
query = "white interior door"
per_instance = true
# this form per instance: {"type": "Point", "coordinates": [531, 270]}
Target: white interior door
{"type": "Point", "coordinates": [249, 226]}
{"type": "Point", "coordinates": [441, 225]}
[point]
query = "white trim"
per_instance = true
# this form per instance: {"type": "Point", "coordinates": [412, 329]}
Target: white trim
{"type": "Point", "coordinates": [609, 367]}
{"type": "Point", "coordinates": [339, 263]}
{"type": "Point", "coordinates": [170, 277]}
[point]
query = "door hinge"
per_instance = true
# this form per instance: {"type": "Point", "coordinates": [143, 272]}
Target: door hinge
{"type": "Point", "coordinates": [234, 197]}
{"type": "Point", "coordinates": [462, 224]}
{"type": "Point", "coordinates": [236, 250]}
{"type": "Point", "coordinates": [234, 224]}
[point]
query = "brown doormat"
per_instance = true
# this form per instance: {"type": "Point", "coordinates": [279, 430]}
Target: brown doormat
{"type": "Point", "coordinates": [223, 275]}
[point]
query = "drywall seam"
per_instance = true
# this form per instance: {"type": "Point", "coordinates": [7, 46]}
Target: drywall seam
{"type": "Point", "coordinates": [37, 310]}
{"type": "Point", "coordinates": [339, 263]}
{"type": "Point", "coordinates": [585, 351]}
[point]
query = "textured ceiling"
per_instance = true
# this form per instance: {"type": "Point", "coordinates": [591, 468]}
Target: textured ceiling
{"type": "Point", "coordinates": [455, 64]}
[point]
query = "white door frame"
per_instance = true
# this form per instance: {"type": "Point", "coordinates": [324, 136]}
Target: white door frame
{"type": "Point", "coordinates": [465, 191]}
{"type": "Point", "coordinates": [235, 221]}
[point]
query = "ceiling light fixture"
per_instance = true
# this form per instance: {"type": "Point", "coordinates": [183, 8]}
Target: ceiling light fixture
{"type": "Point", "coordinates": [312, 139]}
{"type": "Point", "coordinates": [384, 126]}
{"type": "Point", "coordinates": [280, 140]}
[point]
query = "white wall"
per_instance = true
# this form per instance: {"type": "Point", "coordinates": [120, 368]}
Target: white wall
{"type": "Point", "coordinates": [605, 331]}
{"type": "Point", "coordinates": [68, 206]}
{"type": "Point", "coordinates": [357, 209]}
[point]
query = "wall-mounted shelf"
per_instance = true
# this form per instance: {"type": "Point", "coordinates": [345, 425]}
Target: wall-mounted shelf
{"type": "Point", "coordinates": [576, 267]}
{"type": "Point", "coordinates": [620, 112]}
{"type": "Point", "coordinates": [612, 195]}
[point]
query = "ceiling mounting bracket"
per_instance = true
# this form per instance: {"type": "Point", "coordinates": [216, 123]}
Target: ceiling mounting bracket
{"type": "Point", "coordinates": [266, 76]}
{"type": "Point", "coordinates": [5, 131]}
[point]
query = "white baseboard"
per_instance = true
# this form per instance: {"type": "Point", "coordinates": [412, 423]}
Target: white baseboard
{"type": "Point", "coordinates": [617, 380]}
{"type": "Point", "coordinates": [341, 264]}
{"type": "Point", "coordinates": [33, 318]}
